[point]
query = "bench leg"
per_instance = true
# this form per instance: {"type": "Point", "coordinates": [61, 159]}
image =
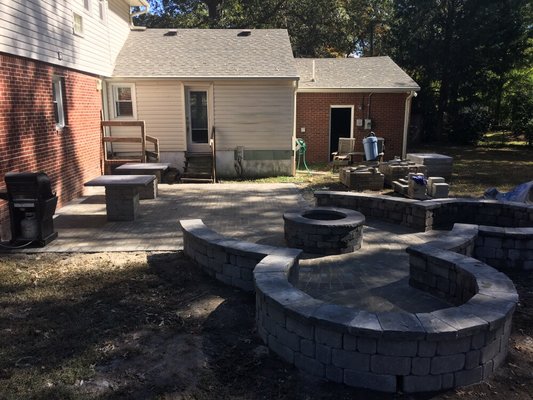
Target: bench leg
{"type": "Point", "coordinates": [149, 192]}
{"type": "Point", "coordinates": [122, 203]}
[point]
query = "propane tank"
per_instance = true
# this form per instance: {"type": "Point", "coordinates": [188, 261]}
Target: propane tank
{"type": "Point", "coordinates": [29, 227]}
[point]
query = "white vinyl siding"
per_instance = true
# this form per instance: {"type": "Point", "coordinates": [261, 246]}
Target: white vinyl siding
{"type": "Point", "coordinates": [256, 115]}
{"type": "Point", "coordinates": [40, 29]}
{"type": "Point", "coordinates": [160, 105]}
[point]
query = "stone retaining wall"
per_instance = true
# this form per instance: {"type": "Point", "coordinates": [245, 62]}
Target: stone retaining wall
{"type": "Point", "coordinates": [505, 248]}
{"type": "Point", "coordinates": [228, 260]}
{"type": "Point", "coordinates": [386, 351]}
{"type": "Point", "coordinates": [392, 351]}
{"type": "Point", "coordinates": [431, 214]}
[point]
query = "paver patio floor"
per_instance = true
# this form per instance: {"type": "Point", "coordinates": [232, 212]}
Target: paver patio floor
{"type": "Point", "coordinates": [374, 278]}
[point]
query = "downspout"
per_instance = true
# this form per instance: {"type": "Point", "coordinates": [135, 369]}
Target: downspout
{"type": "Point", "coordinates": [408, 100]}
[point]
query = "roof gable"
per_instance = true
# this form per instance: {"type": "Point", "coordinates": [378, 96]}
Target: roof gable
{"type": "Point", "coordinates": [206, 53]}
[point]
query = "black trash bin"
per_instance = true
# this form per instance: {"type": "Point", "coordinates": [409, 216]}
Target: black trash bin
{"type": "Point", "coordinates": [32, 205]}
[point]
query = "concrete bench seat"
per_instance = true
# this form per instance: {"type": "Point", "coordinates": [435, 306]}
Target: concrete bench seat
{"type": "Point", "coordinates": [157, 169]}
{"type": "Point", "coordinates": [122, 194]}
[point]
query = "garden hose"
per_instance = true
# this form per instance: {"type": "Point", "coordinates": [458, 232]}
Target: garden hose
{"type": "Point", "coordinates": [301, 149]}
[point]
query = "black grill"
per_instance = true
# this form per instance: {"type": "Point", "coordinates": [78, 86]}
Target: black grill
{"type": "Point", "coordinates": [31, 207]}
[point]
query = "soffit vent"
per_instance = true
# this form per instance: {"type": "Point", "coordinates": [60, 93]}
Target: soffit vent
{"type": "Point", "coordinates": [245, 32]}
{"type": "Point", "coordinates": [171, 32]}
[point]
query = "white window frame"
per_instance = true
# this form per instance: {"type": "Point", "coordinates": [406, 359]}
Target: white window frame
{"type": "Point", "coordinates": [78, 31]}
{"type": "Point", "coordinates": [114, 92]}
{"type": "Point", "coordinates": [57, 90]}
{"type": "Point", "coordinates": [89, 7]}
{"type": "Point", "coordinates": [102, 11]}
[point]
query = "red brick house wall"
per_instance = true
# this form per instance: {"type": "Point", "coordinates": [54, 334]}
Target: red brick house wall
{"type": "Point", "coordinates": [387, 111]}
{"type": "Point", "coordinates": [28, 137]}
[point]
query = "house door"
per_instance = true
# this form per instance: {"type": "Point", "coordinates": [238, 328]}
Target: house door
{"type": "Point", "coordinates": [197, 120]}
{"type": "Point", "coordinates": [340, 126]}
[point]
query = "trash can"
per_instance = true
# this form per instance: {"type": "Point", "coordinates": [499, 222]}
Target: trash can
{"type": "Point", "coordinates": [370, 144]}
{"type": "Point", "coordinates": [32, 205]}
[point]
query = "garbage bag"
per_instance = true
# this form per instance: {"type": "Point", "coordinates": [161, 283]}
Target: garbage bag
{"type": "Point", "coordinates": [522, 193]}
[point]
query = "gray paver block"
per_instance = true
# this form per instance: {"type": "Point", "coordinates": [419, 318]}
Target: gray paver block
{"type": "Point", "coordinates": [309, 365]}
{"type": "Point", "coordinates": [427, 383]}
{"type": "Point", "coordinates": [444, 364]}
{"type": "Point", "coordinates": [328, 337]}
{"type": "Point", "coordinates": [349, 342]}
{"type": "Point", "coordinates": [464, 378]}
{"type": "Point", "coordinates": [397, 347]}
{"type": "Point", "coordinates": [351, 360]}
{"type": "Point", "coordinates": [305, 330]}
{"type": "Point", "coordinates": [307, 348]}
{"type": "Point", "coordinates": [366, 345]}
{"type": "Point", "coordinates": [460, 345]}
{"type": "Point", "coordinates": [420, 366]}
{"type": "Point", "coordinates": [489, 351]}
{"type": "Point", "coordinates": [281, 350]}
{"type": "Point", "coordinates": [427, 348]}
{"type": "Point", "coordinates": [390, 365]}
{"type": "Point", "coordinates": [334, 374]}
{"type": "Point", "coordinates": [323, 354]}
{"type": "Point", "coordinates": [288, 339]}
{"type": "Point", "coordinates": [383, 383]}
{"type": "Point", "coordinates": [472, 359]}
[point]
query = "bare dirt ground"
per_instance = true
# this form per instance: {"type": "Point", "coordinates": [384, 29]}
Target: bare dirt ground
{"type": "Point", "coordinates": [152, 326]}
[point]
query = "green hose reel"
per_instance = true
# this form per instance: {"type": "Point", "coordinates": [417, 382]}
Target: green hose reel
{"type": "Point", "coordinates": [301, 149]}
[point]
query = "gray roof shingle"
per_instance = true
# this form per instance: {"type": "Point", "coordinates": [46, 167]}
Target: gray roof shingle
{"type": "Point", "coordinates": [378, 73]}
{"type": "Point", "coordinates": [206, 53]}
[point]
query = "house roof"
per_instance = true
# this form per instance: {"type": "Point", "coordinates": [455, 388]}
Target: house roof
{"type": "Point", "coordinates": [366, 73]}
{"type": "Point", "coordinates": [206, 53]}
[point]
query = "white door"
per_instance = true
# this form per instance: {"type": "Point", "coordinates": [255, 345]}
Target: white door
{"type": "Point", "coordinates": [198, 123]}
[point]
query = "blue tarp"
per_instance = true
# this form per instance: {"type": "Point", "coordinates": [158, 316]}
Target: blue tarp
{"type": "Point", "coordinates": [522, 193]}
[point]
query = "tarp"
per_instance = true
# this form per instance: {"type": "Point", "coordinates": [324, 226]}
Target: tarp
{"type": "Point", "coordinates": [522, 193]}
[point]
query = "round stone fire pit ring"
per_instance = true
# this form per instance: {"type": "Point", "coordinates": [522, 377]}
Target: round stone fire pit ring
{"type": "Point", "coordinates": [324, 230]}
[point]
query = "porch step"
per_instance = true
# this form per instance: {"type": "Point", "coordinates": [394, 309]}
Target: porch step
{"type": "Point", "coordinates": [198, 168]}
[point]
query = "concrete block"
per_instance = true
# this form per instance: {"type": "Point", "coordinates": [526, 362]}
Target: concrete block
{"type": "Point", "coordinates": [349, 342]}
{"type": "Point", "coordinates": [276, 313]}
{"type": "Point", "coordinates": [323, 354]}
{"type": "Point", "coordinates": [420, 366]}
{"type": "Point", "coordinates": [307, 348]}
{"type": "Point", "coordinates": [383, 383]}
{"type": "Point", "coordinates": [328, 337]}
{"type": "Point", "coordinates": [472, 359]}
{"type": "Point", "coordinates": [390, 365]}
{"type": "Point", "coordinates": [445, 364]}
{"type": "Point", "coordinates": [284, 352]}
{"type": "Point", "coordinates": [489, 351]}
{"type": "Point", "coordinates": [454, 346]}
{"type": "Point", "coordinates": [309, 365]}
{"type": "Point", "coordinates": [464, 378]}
{"type": "Point", "coordinates": [351, 360]}
{"type": "Point", "coordinates": [287, 338]}
{"type": "Point", "coordinates": [334, 374]}
{"type": "Point", "coordinates": [428, 383]}
{"type": "Point", "coordinates": [366, 345]}
{"type": "Point", "coordinates": [427, 349]}
{"type": "Point", "coordinates": [305, 330]}
{"type": "Point", "coordinates": [397, 347]}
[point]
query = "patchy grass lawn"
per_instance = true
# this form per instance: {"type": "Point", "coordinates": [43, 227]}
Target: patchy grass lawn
{"type": "Point", "coordinates": [152, 326]}
{"type": "Point", "coordinates": [475, 169]}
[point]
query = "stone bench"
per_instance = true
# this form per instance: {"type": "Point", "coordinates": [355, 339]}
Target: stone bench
{"type": "Point", "coordinates": [385, 351]}
{"type": "Point", "coordinates": [122, 194]}
{"type": "Point", "coordinates": [156, 169]}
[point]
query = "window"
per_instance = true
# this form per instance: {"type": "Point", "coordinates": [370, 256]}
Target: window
{"type": "Point", "coordinates": [58, 84]}
{"type": "Point", "coordinates": [124, 99]}
{"type": "Point", "coordinates": [78, 24]}
{"type": "Point", "coordinates": [87, 5]}
{"type": "Point", "coordinates": [102, 8]}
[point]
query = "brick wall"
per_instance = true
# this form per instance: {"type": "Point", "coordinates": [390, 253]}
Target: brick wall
{"type": "Point", "coordinates": [386, 112]}
{"type": "Point", "coordinates": [28, 137]}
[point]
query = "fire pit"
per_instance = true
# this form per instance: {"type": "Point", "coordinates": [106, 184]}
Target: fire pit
{"type": "Point", "coordinates": [324, 230]}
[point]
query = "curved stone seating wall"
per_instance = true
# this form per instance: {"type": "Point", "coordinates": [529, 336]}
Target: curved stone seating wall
{"type": "Point", "coordinates": [431, 214]}
{"type": "Point", "coordinates": [505, 248]}
{"type": "Point", "coordinates": [392, 351]}
{"type": "Point", "coordinates": [228, 260]}
{"type": "Point", "coordinates": [386, 351]}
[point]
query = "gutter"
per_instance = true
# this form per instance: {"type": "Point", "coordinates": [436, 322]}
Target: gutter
{"type": "Point", "coordinates": [408, 100]}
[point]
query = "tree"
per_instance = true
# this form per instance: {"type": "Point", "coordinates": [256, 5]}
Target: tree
{"type": "Point", "coordinates": [459, 51]}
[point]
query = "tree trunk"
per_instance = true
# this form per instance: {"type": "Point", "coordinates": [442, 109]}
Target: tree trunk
{"type": "Point", "coordinates": [214, 8]}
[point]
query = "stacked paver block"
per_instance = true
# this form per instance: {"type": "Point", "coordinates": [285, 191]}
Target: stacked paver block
{"type": "Point", "coordinates": [396, 170]}
{"type": "Point", "coordinates": [436, 164]}
{"type": "Point", "coordinates": [360, 179]}
{"type": "Point", "coordinates": [122, 203]}
{"type": "Point", "coordinates": [437, 187]}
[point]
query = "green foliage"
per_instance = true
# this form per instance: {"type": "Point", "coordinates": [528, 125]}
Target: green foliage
{"type": "Point", "coordinates": [518, 103]}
